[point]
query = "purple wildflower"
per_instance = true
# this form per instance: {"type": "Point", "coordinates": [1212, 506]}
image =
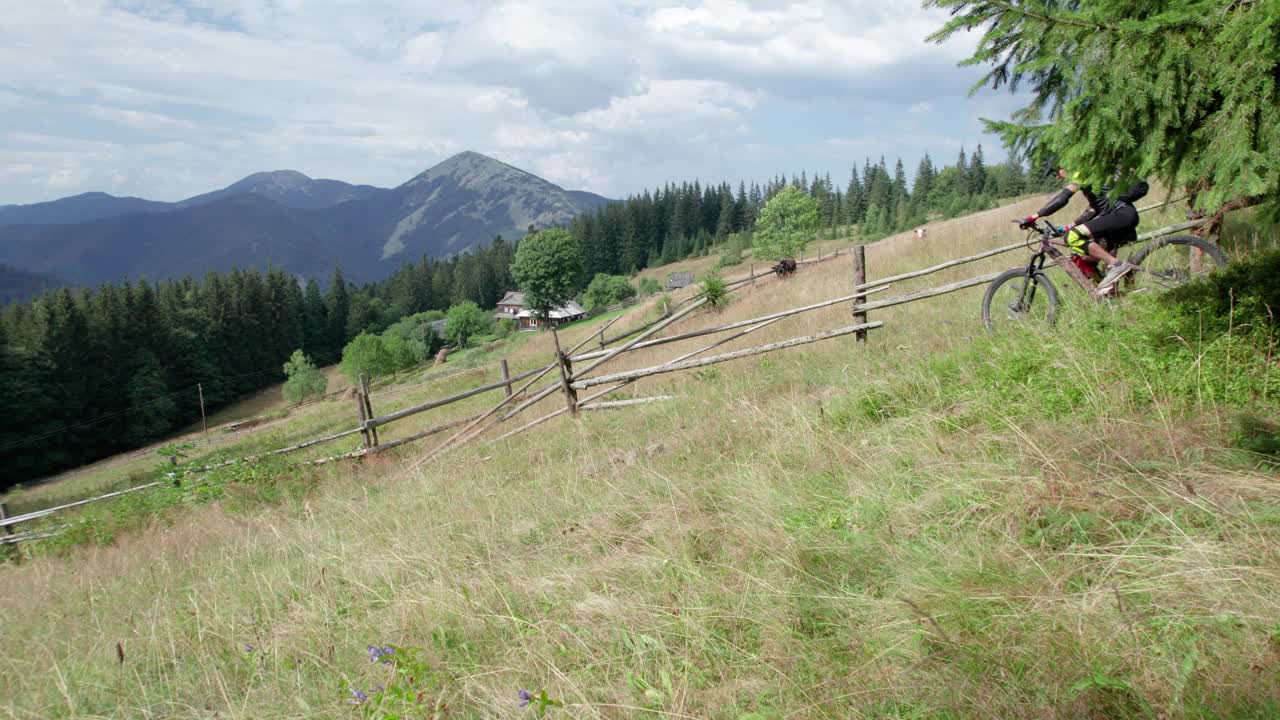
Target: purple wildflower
{"type": "Point", "coordinates": [525, 697]}
{"type": "Point", "coordinates": [357, 697]}
{"type": "Point", "coordinates": [383, 654]}
{"type": "Point", "coordinates": [248, 647]}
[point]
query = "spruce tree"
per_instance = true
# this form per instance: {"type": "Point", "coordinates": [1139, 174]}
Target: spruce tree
{"type": "Point", "coordinates": [1183, 91]}
{"type": "Point", "coordinates": [338, 305]}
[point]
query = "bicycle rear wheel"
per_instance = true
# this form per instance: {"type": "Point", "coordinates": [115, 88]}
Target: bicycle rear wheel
{"type": "Point", "coordinates": [1015, 297]}
{"type": "Point", "coordinates": [1173, 260]}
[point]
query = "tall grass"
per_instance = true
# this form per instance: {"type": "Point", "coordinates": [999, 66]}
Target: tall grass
{"type": "Point", "coordinates": [1041, 523]}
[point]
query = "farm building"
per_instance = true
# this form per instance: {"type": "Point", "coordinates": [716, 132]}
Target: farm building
{"type": "Point", "coordinates": [677, 280]}
{"type": "Point", "coordinates": [567, 313]}
{"type": "Point", "coordinates": [510, 305]}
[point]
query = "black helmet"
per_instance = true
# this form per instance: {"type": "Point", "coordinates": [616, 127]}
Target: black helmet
{"type": "Point", "coordinates": [1136, 192]}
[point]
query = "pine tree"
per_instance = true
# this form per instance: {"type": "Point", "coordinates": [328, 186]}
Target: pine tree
{"type": "Point", "coordinates": [338, 304]}
{"type": "Point", "coordinates": [1184, 91]}
{"type": "Point", "coordinates": [977, 175]}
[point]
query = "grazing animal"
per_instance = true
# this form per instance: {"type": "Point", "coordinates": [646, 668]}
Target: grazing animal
{"type": "Point", "coordinates": [785, 268]}
{"type": "Point", "coordinates": [440, 356]}
{"type": "Point", "coordinates": [922, 233]}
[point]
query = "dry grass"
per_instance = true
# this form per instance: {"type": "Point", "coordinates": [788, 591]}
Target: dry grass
{"type": "Point", "coordinates": [833, 532]}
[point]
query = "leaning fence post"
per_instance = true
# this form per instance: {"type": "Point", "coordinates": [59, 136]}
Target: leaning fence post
{"type": "Point", "coordinates": [368, 406]}
{"type": "Point", "coordinates": [4, 515]}
{"type": "Point", "coordinates": [566, 375]}
{"type": "Point", "coordinates": [753, 273]}
{"type": "Point", "coordinates": [506, 375]}
{"type": "Point", "coordinates": [8, 531]}
{"type": "Point", "coordinates": [360, 413]}
{"type": "Point", "coordinates": [859, 279]}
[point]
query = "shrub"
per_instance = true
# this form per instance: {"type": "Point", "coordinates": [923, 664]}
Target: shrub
{"type": "Point", "coordinates": [304, 380]}
{"type": "Point", "coordinates": [732, 254]}
{"type": "Point", "coordinates": [649, 286]}
{"type": "Point", "coordinates": [366, 354]}
{"type": "Point", "coordinates": [464, 321]}
{"type": "Point", "coordinates": [715, 290]}
{"type": "Point", "coordinates": [403, 353]}
{"type": "Point", "coordinates": [606, 290]}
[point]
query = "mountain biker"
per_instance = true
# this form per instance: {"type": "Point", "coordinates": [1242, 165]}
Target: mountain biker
{"type": "Point", "coordinates": [1111, 224]}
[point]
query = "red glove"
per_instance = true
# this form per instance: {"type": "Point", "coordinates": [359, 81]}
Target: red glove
{"type": "Point", "coordinates": [1028, 222]}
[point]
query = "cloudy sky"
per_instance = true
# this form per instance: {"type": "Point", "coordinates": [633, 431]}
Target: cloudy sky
{"type": "Point", "coordinates": [166, 99]}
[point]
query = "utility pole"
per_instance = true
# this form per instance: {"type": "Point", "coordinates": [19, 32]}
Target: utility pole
{"type": "Point", "coordinates": [203, 419]}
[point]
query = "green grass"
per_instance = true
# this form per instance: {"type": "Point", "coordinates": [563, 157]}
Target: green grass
{"type": "Point", "coordinates": [943, 524]}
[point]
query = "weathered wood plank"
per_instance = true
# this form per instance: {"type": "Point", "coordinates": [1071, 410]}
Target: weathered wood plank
{"type": "Point", "coordinates": [608, 404]}
{"type": "Point", "coordinates": [740, 323]}
{"type": "Point", "coordinates": [725, 357]}
{"type": "Point", "coordinates": [37, 514]}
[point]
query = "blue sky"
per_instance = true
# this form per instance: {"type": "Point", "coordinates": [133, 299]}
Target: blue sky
{"type": "Point", "coordinates": [166, 99]}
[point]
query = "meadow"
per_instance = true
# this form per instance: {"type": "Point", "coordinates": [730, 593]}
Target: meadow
{"type": "Point", "coordinates": [943, 523]}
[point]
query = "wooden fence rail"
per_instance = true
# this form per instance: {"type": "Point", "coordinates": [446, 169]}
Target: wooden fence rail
{"type": "Point", "coordinates": [724, 357]}
{"type": "Point", "coordinates": [37, 514]}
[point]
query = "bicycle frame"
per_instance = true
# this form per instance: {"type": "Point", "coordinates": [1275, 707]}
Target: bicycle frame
{"type": "Point", "coordinates": [1050, 251]}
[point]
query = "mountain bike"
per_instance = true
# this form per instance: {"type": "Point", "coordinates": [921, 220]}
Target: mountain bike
{"type": "Point", "coordinates": [1026, 293]}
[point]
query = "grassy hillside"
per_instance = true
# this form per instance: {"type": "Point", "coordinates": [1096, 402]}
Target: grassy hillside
{"type": "Point", "coordinates": [1049, 523]}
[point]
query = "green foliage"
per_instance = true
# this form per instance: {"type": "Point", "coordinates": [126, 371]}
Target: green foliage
{"type": "Point", "coordinates": [546, 268]}
{"type": "Point", "coordinates": [732, 254]}
{"type": "Point", "coordinates": [409, 687]}
{"type": "Point", "coordinates": [1184, 90]}
{"type": "Point", "coordinates": [416, 332]}
{"type": "Point", "coordinates": [1244, 294]}
{"type": "Point", "coordinates": [786, 224]}
{"type": "Point", "coordinates": [649, 286]}
{"type": "Point", "coordinates": [606, 290]}
{"type": "Point", "coordinates": [1257, 435]}
{"type": "Point", "coordinates": [366, 354]}
{"type": "Point", "coordinates": [505, 327]}
{"type": "Point", "coordinates": [464, 321]}
{"type": "Point", "coordinates": [715, 290]}
{"type": "Point", "coordinates": [304, 380]}
{"type": "Point", "coordinates": [404, 353]}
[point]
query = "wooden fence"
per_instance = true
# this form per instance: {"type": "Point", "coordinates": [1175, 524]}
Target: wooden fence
{"type": "Point", "coordinates": [571, 380]}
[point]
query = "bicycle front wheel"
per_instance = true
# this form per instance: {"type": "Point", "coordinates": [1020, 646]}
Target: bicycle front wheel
{"type": "Point", "coordinates": [1015, 297]}
{"type": "Point", "coordinates": [1173, 260]}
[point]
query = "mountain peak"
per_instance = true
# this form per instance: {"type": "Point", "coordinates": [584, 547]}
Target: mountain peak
{"type": "Point", "coordinates": [273, 178]}
{"type": "Point", "coordinates": [473, 170]}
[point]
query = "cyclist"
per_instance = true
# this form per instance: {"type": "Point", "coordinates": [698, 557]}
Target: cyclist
{"type": "Point", "coordinates": [1110, 224]}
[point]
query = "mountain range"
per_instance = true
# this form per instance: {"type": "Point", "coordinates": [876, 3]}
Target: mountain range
{"type": "Point", "coordinates": [284, 219]}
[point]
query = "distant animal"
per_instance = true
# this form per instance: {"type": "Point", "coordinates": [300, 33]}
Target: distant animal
{"type": "Point", "coordinates": [440, 356]}
{"type": "Point", "coordinates": [785, 268]}
{"type": "Point", "coordinates": [922, 233]}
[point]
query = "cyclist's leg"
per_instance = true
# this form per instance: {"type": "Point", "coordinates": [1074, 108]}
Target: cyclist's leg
{"type": "Point", "coordinates": [1109, 230]}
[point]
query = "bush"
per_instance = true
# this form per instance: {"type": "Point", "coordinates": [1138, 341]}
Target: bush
{"type": "Point", "coordinates": [505, 327]}
{"type": "Point", "coordinates": [403, 353]}
{"type": "Point", "coordinates": [715, 290]}
{"type": "Point", "coordinates": [732, 254]}
{"type": "Point", "coordinates": [366, 354]}
{"type": "Point", "coordinates": [1246, 292]}
{"type": "Point", "coordinates": [464, 321]}
{"type": "Point", "coordinates": [417, 332]}
{"type": "Point", "coordinates": [606, 290]}
{"type": "Point", "coordinates": [649, 286]}
{"type": "Point", "coordinates": [304, 379]}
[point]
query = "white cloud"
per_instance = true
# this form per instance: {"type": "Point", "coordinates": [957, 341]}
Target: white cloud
{"type": "Point", "coordinates": [191, 95]}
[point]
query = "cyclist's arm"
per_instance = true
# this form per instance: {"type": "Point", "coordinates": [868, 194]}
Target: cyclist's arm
{"type": "Point", "coordinates": [1057, 202]}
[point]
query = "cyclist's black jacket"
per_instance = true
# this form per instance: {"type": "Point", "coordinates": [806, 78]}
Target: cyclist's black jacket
{"type": "Point", "coordinates": [1113, 222]}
